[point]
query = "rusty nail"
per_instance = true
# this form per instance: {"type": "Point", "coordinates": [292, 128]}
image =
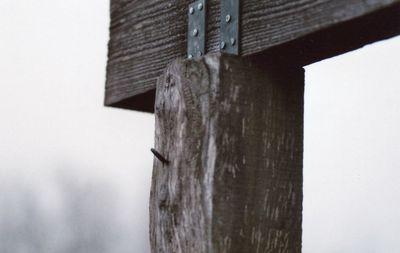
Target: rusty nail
{"type": "Point", "coordinates": [159, 156]}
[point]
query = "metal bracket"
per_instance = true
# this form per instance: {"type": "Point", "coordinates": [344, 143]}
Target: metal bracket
{"type": "Point", "coordinates": [229, 36]}
{"type": "Point", "coordinates": [196, 29]}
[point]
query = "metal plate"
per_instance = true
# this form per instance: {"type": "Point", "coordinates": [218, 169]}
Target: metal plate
{"type": "Point", "coordinates": [196, 29]}
{"type": "Point", "coordinates": [229, 37]}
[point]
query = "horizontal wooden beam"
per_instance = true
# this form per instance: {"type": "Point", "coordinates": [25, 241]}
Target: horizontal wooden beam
{"type": "Point", "coordinates": [147, 35]}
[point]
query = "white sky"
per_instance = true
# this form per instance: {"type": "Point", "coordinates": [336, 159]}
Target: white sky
{"type": "Point", "coordinates": [352, 151]}
{"type": "Point", "coordinates": [52, 74]}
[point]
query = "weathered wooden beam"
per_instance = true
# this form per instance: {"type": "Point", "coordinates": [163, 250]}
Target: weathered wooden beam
{"type": "Point", "coordinates": [232, 132]}
{"type": "Point", "coordinates": [147, 35]}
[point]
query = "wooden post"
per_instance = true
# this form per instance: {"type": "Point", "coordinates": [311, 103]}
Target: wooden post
{"type": "Point", "coordinates": [232, 131]}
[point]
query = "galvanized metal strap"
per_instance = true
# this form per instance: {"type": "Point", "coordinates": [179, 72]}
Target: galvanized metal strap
{"type": "Point", "coordinates": [196, 29]}
{"type": "Point", "coordinates": [229, 28]}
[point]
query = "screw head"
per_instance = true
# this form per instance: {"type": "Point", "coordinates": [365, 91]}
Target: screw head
{"type": "Point", "coordinates": [233, 41]}
{"type": "Point", "coordinates": [228, 18]}
{"type": "Point", "coordinates": [200, 6]}
{"type": "Point", "coordinates": [191, 10]}
{"type": "Point", "coordinates": [195, 32]}
{"type": "Point", "coordinates": [190, 56]}
{"type": "Point", "coordinates": [223, 45]}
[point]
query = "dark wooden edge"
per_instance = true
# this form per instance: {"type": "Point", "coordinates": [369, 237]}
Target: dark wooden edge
{"type": "Point", "coordinates": [337, 39]}
{"type": "Point", "coordinates": [143, 102]}
{"type": "Point", "coordinates": [333, 41]}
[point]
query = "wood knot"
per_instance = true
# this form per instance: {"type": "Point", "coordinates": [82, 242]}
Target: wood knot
{"type": "Point", "coordinates": [167, 80]}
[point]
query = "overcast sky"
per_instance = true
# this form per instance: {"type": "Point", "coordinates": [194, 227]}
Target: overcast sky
{"type": "Point", "coordinates": [52, 75]}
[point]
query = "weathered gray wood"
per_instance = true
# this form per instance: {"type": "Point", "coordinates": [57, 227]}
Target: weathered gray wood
{"type": "Point", "coordinates": [233, 133]}
{"type": "Point", "coordinates": [147, 35]}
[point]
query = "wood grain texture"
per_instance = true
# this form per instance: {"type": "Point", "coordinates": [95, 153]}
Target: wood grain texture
{"type": "Point", "coordinates": [233, 133]}
{"type": "Point", "coordinates": [147, 35]}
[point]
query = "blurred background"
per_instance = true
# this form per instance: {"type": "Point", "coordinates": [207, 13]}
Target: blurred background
{"type": "Point", "coordinates": [75, 175]}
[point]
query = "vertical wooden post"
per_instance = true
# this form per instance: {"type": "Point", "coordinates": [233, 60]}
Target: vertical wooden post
{"type": "Point", "coordinates": [233, 133]}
